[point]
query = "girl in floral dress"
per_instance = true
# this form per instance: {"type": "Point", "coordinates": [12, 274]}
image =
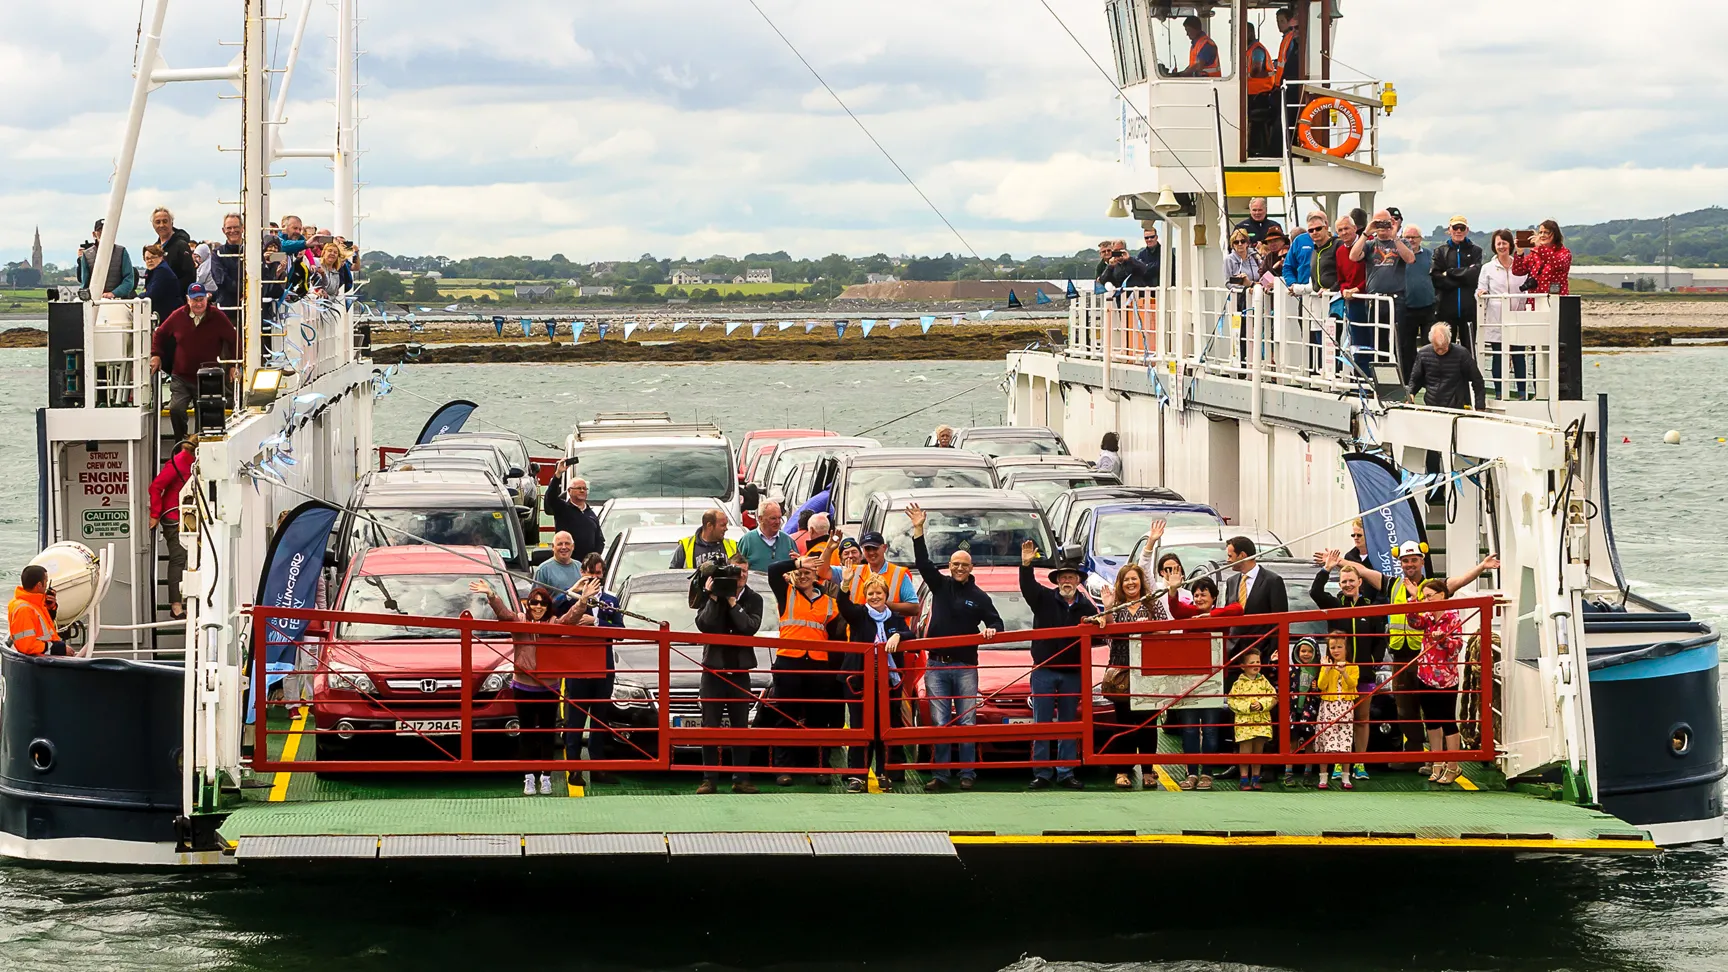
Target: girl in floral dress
{"type": "Point", "coordinates": [1437, 670]}
{"type": "Point", "coordinates": [1337, 685]}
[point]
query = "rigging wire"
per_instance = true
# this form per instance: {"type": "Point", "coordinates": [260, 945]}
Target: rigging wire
{"type": "Point", "coordinates": [1116, 88]}
{"type": "Point", "coordinates": [861, 127]}
{"type": "Point", "coordinates": [432, 401]}
{"type": "Point", "coordinates": [923, 408]}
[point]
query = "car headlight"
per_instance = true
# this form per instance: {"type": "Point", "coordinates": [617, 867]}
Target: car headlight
{"type": "Point", "coordinates": [496, 681]}
{"type": "Point", "coordinates": [631, 694]}
{"type": "Point", "coordinates": [347, 678]}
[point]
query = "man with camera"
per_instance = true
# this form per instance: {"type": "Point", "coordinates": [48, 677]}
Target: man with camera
{"type": "Point", "coordinates": [720, 592]}
{"type": "Point", "coordinates": [1385, 258]}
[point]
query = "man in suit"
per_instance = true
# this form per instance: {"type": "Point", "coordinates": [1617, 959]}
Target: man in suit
{"type": "Point", "coordinates": [1259, 592]}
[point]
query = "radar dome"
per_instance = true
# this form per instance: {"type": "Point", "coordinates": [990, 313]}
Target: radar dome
{"type": "Point", "coordinates": [75, 575]}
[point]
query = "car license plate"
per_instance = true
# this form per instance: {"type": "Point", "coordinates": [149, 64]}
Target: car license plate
{"type": "Point", "coordinates": [1015, 721]}
{"type": "Point", "coordinates": [687, 722]}
{"type": "Point", "coordinates": [428, 727]}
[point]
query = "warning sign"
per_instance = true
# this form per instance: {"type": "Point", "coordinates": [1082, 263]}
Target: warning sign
{"type": "Point", "coordinates": [107, 524]}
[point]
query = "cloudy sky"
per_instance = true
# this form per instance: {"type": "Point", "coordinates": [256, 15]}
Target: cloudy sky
{"type": "Point", "coordinates": [605, 129]}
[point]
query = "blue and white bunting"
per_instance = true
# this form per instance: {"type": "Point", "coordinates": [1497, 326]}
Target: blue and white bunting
{"type": "Point", "coordinates": [840, 329]}
{"type": "Point", "coordinates": [576, 329]}
{"type": "Point", "coordinates": [984, 315]}
{"type": "Point", "coordinates": [603, 328]}
{"type": "Point", "coordinates": [784, 325]}
{"type": "Point", "coordinates": [867, 325]}
{"type": "Point", "coordinates": [733, 326]}
{"type": "Point", "coordinates": [894, 322]}
{"type": "Point", "coordinates": [756, 328]}
{"type": "Point", "coordinates": [926, 323]}
{"type": "Point", "coordinates": [527, 327]}
{"type": "Point", "coordinates": [810, 326]}
{"type": "Point", "coordinates": [679, 326]}
{"type": "Point", "coordinates": [629, 329]}
{"type": "Point", "coordinates": [956, 319]}
{"type": "Point", "coordinates": [498, 324]}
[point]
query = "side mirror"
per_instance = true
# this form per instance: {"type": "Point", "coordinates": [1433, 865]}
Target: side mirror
{"type": "Point", "coordinates": [1071, 552]}
{"type": "Point", "coordinates": [524, 512]}
{"type": "Point", "coordinates": [750, 496]}
{"type": "Point", "coordinates": [513, 472]}
{"type": "Point", "coordinates": [540, 555]}
{"type": "Point", "coordinates": [317, 629]}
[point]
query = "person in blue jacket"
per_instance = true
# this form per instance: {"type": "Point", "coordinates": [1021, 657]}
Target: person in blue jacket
{"type": "Point", "coordinates": [1299, 262]}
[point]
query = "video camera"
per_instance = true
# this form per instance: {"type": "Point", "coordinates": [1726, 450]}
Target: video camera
{"type": "Point", "coordinates": [725, 578]}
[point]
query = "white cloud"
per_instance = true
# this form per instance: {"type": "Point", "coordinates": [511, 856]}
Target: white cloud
{"type": "Point", "coordinates": [686, 126]}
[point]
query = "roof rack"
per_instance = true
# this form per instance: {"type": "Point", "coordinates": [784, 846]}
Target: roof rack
{"type": "Point", "coordinates": [619, 425]}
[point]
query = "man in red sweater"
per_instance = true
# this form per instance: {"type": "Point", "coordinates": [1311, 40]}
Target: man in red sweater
{"type": "Point", "coordinates": [196, 336]}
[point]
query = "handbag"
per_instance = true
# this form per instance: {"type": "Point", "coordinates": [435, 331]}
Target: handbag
{"type": "Point", "coordinates": [1115, 684]}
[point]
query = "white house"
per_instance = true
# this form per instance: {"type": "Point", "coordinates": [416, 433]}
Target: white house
{"type": "Point", "coordinates": [685, 276]}
{"type": "Point", "coordinates": [880, 278]}
{"type": "Point", "coordinates": [764, 275]}
{"type": "Point", "coordinates": [594, 291]}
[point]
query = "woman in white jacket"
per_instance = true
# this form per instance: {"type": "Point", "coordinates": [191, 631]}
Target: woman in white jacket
{"type": "Point", "coordinates": [1497, 279]}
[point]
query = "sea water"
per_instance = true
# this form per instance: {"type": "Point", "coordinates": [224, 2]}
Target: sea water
{"type": "Point", "coordinates": [1156, 913]}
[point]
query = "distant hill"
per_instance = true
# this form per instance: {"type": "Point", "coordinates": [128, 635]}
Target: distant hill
{"type": "Point", "coordinates": [1699, 239]}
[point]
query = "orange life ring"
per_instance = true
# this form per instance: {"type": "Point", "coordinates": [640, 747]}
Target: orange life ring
{"type": "Point", "coordinates": [1311, 114]}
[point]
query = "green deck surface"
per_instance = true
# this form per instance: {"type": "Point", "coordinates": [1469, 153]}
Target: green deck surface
{"type": "Point", "coordinates": [1391, 806]}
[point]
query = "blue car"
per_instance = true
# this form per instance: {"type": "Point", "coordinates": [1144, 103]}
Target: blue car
{"type": "Point", "coordinates": [1108, 535]}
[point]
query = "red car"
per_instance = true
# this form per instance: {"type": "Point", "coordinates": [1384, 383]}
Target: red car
{"type": "Point", "coordinates": [403, 679]}
{"type": "Point", "coordinates": [1004, 674]}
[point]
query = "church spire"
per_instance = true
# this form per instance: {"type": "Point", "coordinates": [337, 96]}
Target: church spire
{"type": "Point", "coordinates": [36, 251]}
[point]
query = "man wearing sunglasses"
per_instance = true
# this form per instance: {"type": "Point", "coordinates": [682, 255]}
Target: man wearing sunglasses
{"type": "Point", "coordinates": [1457, 263]}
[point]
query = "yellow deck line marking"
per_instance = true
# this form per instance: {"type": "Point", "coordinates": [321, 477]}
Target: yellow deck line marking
{"type": "Point", "coordinates": [1580, 844]}
{"type": "Point", "coordinates": [1165, 780]}
{"type": "Point", "coordinates": [871, 783]}
{"type": "Point", "coordinates": [1464, 782]}
{"type": "Point", "coordinates": [574, 786]}
{"type": "Point", "coordinates": [290, 749]}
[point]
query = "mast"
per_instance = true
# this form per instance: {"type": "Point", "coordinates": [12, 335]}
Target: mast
{"type": "Point", "coordinates": [141, 84]}
{"type": "Point", "coordinates": [343, 159]}
{"type": "Point", "coordinates": [254, 158]}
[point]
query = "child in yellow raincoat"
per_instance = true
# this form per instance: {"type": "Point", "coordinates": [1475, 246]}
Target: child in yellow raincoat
{"type": "Point", "coordinates": [1252, 699]}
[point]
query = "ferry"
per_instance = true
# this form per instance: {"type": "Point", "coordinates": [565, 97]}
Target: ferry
{"type": "Point", "coordinates": [238, 735]}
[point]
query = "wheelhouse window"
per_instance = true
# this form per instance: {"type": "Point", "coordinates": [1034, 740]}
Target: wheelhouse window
{"type": "Point", "coordinates": [1193, 41]}
{"type": "Point", "coordinates": [1125, 41]}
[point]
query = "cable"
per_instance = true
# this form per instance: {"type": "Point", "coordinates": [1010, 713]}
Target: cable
{"type": "Point", "coordinates": [1153, 131]}
{"type": "Point", "coordinates": [969, 247]}
{"type": "Point", "coordinates": [923, 408]}
{"type": "Point", "coordinates": [549, 445]}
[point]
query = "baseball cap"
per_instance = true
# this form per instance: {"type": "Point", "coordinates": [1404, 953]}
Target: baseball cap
{"type": "Point", "coordinates": [1395, 213]}
{"type": "Point", "coordinates": [1458, 221]}
{"type": "Point", "coordinates": [848, 544]}
{"type": "Point", "coordinates": [196, 291]}
{"type": "Point", "coordinates": [1409, 548]}
{"type": "Point", "coordinates": [873, 539]}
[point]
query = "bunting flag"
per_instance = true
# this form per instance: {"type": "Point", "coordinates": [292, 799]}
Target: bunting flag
{"type": "Point", "coordinates": [926, 323]}
{"type": "Point", "coordinates": [867, 325]}
{"type": "Point", "coordinates": [576, 329]}
{"type": "Point", "coordinates": [603, 328]}
{"type": "Point", "coordinates": [629, 329]}
{"type": "Point", "coordinates": [984, 315]}
{"type": "Point", "coordinates": [1072, 292]}
{"type": "Point", "coordinates": [679, 326]}
{"type": "Point", "coordinates": [452, 308]}
{"type": "Point", "coordinates": [810, 326]}
{"type": "Point", "coordinates": [1041, 297]}
{"type": "Point", "coordinates": [784, 325]}
{"type": "Point", "coordinates": [840, 329]}
{"type": "Point", "coordinates": [551, 330]}
{"type": "Point", "coordinates": [756, 328]}
{"type": "Point", "coordinates": [1097, 286]}
{"type": "Point", "coordinates": [894, 322]}
{"type": "Point", "coordinates": [733, 326]}
{"type": "Point", "coordinates": [955, 320]}
{"type": "Point", "coordinates": [650, 325]}
{"type": "Point", "coordinates": [498, 324]}
{"type": "Point", "coordinates": [703, 326]}
{"type": "Point", "coordinates": [1013, 301]}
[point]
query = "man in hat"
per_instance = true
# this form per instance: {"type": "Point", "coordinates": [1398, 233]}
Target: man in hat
{"type": "Point", "coordinates": [193, 337]}
{"type": "Point", "coordinates": [1454, 270]}
{"type": "Point", "coordinates": [902, 592]}
{"type": "Point", "coordinates": [1404, 640]}
{"type": "Point", "coordinates": [1056, 662]}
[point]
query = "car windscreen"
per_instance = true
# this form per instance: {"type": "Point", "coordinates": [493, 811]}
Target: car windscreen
{"type": "Point", "coordinates": [639, 558]}
{"type": "Point", "coordinates": [1045, 491]}
{"type": "Point", "coordinates": [993, 537]}
{"type": "Point", "coordinates": [991, 446]}
{"type": "Point", "coordinates": [617, 521]}
{"type": "Point", "coordinates": [415, 595]}
{"type": "Point", "coordinates": [663, 470]}
{"type": "Point", "coordinates": [1173, 519]}
{"type": "Point", "coordinates": [861, 482]}
{"type": "Point", "coordinates": [493, 460]}
{"type": "Point", "coordinates": [471, 528]}
{"type": "Point", "coordinates": [514, 453]}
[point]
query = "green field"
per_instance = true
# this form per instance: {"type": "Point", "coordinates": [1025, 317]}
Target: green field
{"type": "Point", "coordinates": [33, 300]}
{"type": "Point", "coordinates": [731, 288]}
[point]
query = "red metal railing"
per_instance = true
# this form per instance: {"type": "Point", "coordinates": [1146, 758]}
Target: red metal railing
{"type": "Point", "coordinates": [1181, 663]}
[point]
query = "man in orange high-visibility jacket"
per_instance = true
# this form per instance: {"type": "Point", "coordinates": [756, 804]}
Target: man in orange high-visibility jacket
{"type": "Point", "coordinates": [1202, 54]}
{"type": "Point", "coordinates": [30, 619]}
{"type": "Point", "coordinates": [806, 687]}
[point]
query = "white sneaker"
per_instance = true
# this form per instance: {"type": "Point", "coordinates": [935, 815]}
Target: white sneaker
{"type": "Point", "coordinates": [528, 784]}
{"type": "Point", "coordinates": [545, 784]}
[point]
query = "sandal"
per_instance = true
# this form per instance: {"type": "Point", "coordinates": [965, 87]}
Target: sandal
{"type": "Point", "coordinates": [1450, 776]}
{"type": "Point", "coordinates": [1289, 781]}
{"type": "Point", "coordinates": [1439, 771]}
{"type": "Point", "coordinates": [1205, 782]}
{"type": "Point", "coordinates": [1124, 781]}
{"type": "Point", "coordinates": [1186, 784]}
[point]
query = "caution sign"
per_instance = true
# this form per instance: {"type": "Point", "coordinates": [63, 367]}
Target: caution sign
{"type": "Point", "coordinates": [107, 524]}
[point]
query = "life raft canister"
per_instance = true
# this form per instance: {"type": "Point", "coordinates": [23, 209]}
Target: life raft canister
{"type": "Point", "coordinates": [1311, 114]}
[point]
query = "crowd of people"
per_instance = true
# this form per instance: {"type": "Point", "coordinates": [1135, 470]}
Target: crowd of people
{"type": "Point", "coordinates": [1363, 276]}
{"type": "Point", "coordinates": [829, 588]}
